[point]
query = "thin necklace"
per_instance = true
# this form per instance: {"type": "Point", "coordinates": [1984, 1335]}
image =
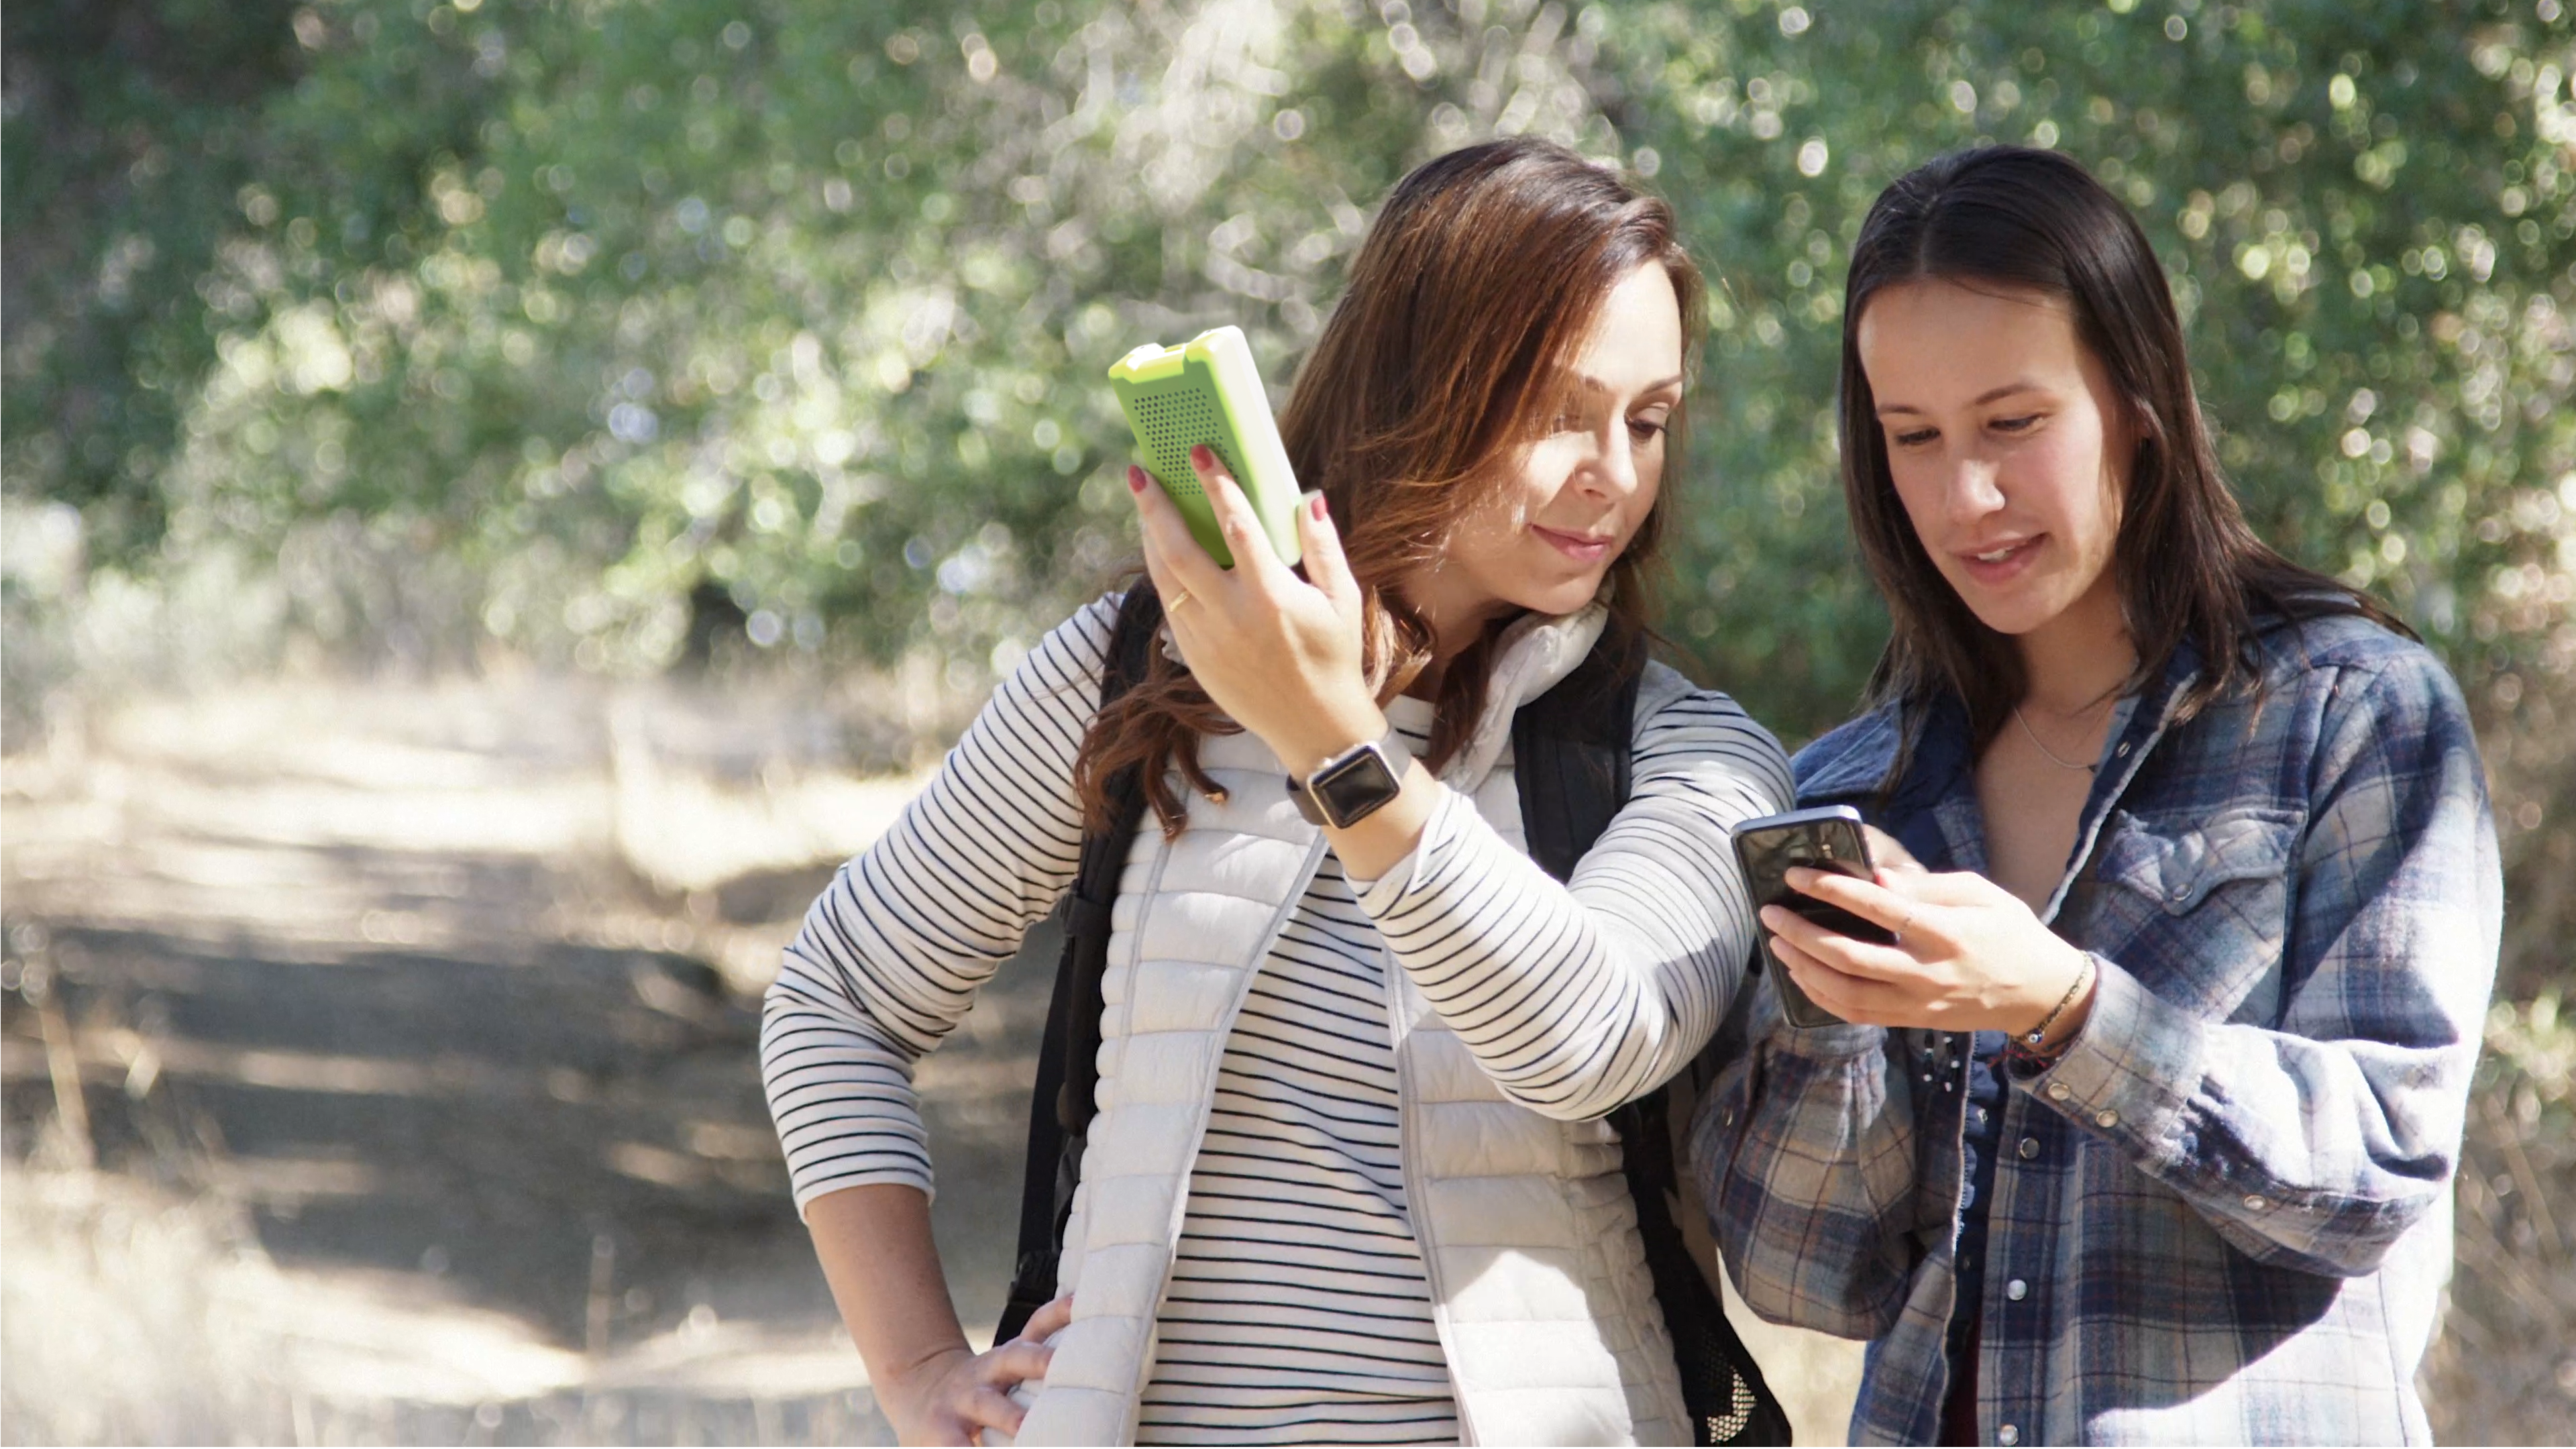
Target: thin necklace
{"type": "Point", "coordinates": [2054, 757]}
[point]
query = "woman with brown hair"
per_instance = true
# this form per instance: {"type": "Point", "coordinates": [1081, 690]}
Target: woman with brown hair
{"type": "Point", "coordinates": [1348, 1181]}
{"type": "Point", "coordinates": [2142, 1131]}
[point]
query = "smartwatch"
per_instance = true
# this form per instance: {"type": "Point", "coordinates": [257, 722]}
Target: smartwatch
{"type": "Point", "coordinates": [1349, 787]}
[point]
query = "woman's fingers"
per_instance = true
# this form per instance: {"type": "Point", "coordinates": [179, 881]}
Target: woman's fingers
{"type": "Point", "coordinates": [1890, 905]}
{"type": "Point", "coordinates": [1159, 572]}
{"type": "Point", "coordinates": [1327, 567]}
{"type": "Point", "coordinates": [1014, 1362]}
{"type": "Point", "coordinates": [1958, 888]}
{"type": "Point", "coordinates": [1049, 1320]}
{"type": "Point", "coordinates": [1174, 559]}
{"type": "Point", "coordinates": [1848, 997]}
{"type": "Point", "coordinates": [1254, 556]}
{"type": "Point", "coordinates": [1152, 546]}
{"type": "Point", "coordinates": [992, 1409]}
{"type": "Point", "coordinates": [1889, 853]}
{"type": "Point", "coordinates": [1852, 958]}
{"type": "Point", "coordinates": [986, 1401]}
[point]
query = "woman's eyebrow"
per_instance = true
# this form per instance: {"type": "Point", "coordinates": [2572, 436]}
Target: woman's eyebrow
{"type": "Point", "coordinates": [1992, 394]}
{"type": "Point", "coordinates": [1589, 383]}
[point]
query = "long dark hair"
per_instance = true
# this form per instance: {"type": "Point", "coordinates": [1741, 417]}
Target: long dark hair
{"type": "Point", "coordinates": [1483, 273]}
{"type": "Point", "coordinates": [2186, 564]}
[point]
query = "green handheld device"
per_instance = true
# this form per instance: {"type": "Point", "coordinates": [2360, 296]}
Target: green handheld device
{"type": "Point", "coordinates": [1207, 390]}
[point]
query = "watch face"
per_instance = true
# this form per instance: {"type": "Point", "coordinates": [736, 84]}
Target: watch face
{"type": "Point", "coordinates": [1353, 786]}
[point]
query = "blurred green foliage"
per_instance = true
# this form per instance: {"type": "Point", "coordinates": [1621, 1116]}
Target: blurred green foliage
{"type": "Point", "coordinates": [620, 334]}
{"type": "Point", "coordinates": [585, 325]}
{"type": "Point", "coordinates": [2366, 221]}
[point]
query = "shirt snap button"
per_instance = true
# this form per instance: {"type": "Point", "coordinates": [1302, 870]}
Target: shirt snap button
{"type": "Point", "coordinates": [2255, 1202]}
{"type": "Point", "coordinates": [2007, 1435]}
{"type": "Point", "coordinates": [2016, 1290]}
{"type": "Point", "coordinates": [2029, 1148]}
{"type": "Point", "coordinates": [2059, 1091]}
{"type": "Point", "coordinates": [2106, 1118]}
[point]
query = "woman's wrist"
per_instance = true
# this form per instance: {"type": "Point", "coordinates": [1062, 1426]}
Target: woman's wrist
{"type": "Point", "coordinates": [1378, 843]}
{"type": "Point", "coordinates": [910, 1393]}
{"type": "Point", "coordinates": [2066, 1016]}
{"type": "Point", "coordinates": [1327, 732]}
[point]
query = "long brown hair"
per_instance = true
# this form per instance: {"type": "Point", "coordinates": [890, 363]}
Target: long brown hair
{"type": "Point", "coordinates": [2187, 565]}
{"type": "Point", "coordinates": [1483, 273]}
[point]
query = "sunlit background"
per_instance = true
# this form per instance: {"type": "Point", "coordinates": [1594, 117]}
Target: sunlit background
{"type": "Point", "coordinates": [500, 497]}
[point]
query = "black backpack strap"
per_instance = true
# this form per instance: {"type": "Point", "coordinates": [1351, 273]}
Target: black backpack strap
{"type": "Point", "coordinates": [1570, 759]}
{"type": "Point", "coordinates": [1061, 1106]}
{"type": "Point", "coordinates": [1571, 749]}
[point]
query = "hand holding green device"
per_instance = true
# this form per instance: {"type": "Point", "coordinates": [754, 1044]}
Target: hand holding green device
{"type": "Point", "coordinates": [1207, 390]}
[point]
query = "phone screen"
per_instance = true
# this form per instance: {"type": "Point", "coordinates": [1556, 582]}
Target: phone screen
{"type": "Point", "coordinates": [1823, 839]}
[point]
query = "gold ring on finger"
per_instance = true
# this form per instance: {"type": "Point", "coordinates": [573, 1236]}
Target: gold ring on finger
{"type": "Point", "coordinates": [1173, 604]}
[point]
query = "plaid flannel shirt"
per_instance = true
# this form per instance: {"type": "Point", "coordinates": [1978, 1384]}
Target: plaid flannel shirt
{"type": "Point", "coordinates": [2223, 1215]}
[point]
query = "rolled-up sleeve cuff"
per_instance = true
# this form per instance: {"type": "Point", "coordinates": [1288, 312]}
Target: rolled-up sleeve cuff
{"type": "Point", "coordinates": [810, 1191]}
{"type": "Point", "coordinates": [2129, 1072]}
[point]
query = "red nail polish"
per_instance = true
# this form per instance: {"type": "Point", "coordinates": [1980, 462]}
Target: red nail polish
{"type": "Point", "coordinates": [1317, 507]}
{"type": "Point", "coordinates": [1135, 479]}
{"type": "Point", "coordinates": [1201, 456]}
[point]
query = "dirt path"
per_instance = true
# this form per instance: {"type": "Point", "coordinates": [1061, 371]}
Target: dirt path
{"type": "Point", "coordinates": [377, 1064]}
{"type": "Point", "coordinates": [413, 1030]}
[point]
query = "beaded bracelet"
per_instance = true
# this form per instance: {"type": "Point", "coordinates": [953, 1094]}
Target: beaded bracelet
{"type": "Point", "coordinates": [2026, 1047]}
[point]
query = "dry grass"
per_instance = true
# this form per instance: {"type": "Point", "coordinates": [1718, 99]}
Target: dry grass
{"type": "Point", "coordinates": [114, 1309]}
{"type": "Point", "coordinates": [131, 1314]}
{"type": "Point", "coordinates": [148, 1300]}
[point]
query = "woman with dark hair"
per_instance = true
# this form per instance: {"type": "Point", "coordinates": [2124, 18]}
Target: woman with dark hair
{"type": "Point", "coordinates": [2143, 1129]}
{"type": "Point", "coordinates": [1348, 1181]}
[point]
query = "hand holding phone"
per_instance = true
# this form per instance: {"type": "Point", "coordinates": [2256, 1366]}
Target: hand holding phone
{"type": "Point", "coordinates": [1828, 837]}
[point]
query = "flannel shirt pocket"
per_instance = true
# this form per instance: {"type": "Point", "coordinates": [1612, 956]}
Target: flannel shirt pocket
{"type": "Point", "coordinates": [2202, 906]}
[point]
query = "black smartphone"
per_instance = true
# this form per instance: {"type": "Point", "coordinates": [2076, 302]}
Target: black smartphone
{"type": "Point", "coordinates": [1825, 838]}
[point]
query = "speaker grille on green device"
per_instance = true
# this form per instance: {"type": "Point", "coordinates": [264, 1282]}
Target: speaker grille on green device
{"type": "Point", "coordinates": [1171, 423]}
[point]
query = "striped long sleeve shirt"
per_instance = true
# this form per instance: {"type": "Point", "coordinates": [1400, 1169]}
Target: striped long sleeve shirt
{"type": "Point", "coordinates": [1298, 1307]}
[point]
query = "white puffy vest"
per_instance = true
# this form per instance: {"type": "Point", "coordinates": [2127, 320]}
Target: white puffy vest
{"type": "Point", "coordinates": [1538, 1279]}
